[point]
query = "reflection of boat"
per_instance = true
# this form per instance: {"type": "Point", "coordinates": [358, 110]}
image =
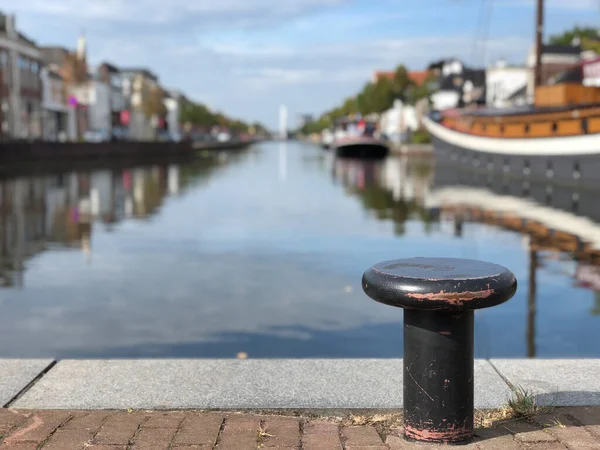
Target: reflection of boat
{"type": "Point", "coordinates": [360, 147]}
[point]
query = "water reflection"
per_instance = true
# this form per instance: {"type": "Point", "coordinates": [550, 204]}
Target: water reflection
{"type": "Point", "coordinates": [262, 252]}
{"type": "Point", "coordinates": [62, 210]}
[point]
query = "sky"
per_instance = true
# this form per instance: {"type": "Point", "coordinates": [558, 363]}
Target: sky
{"type": "Point", "coordinates": [247, 57]}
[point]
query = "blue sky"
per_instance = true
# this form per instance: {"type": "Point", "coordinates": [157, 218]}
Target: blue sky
{"type": "Point", "coordinates": [246, 57]}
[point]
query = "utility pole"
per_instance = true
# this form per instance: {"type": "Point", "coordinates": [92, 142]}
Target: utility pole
{"type": "Point", "coordinates": [539, 34]}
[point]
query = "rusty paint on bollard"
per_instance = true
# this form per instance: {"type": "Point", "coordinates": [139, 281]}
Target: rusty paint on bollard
{"type": "Point", "coordinates": [438, 296]}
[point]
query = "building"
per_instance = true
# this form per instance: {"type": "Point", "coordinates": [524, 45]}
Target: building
{"type": "Point", "coordinates": [143, 102]}
{"type": "Point", "coordinates": [398, 122]}
{"type": "Point", "coordinates": [303, 119]}
{"type": "Point", "coordinates": [21, 88]}
{"type": "Point", "coordinates": [591, 71]}
{"type": "Point", "coordinates": [456, 85]}
{"type": "Point", "coordinates": [173, 101]}
{"type": "Point", "coordinates": [504, 83]}
{"type": "Point", "coordinates": [58, 120]}
{"type": "Point", "coordinates": [555, 59]}
{"type": "Point", "coordinates": [72, 67]}
{"type": "Point", "coordinates": [111, 76]}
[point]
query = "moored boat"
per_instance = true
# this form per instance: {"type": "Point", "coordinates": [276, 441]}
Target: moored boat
{"type": "Point", "coordinates": [556, 138]}
{"type": "Point", "coordinates": [360, 147]}
{"type": "Point", "coordinates": [358, 138]}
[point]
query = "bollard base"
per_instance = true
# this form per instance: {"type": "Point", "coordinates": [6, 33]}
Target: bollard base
{"type": "Point", "coordinates": [453, 437]}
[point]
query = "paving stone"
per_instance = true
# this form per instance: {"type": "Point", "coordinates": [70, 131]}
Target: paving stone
{"type": "Point", "coordinates": [528, 432]}
{"type": "Point", "coordinates": [37, 427]}
{"type": "Point", "coordinates": [321, 436]}
{"type": "Point", "coordinates": [282, 432]}
{"type": "Point", "coordinates": [87, 420]}
{"type": "Point", "coordinates": [10, 419]}
{"type": "Point", "coordinates": [164, 420]}
{"type": "Point", "coordinates": [365, 435]}
{"type": "Point", "coordinates": [69, 440]}
{"type": "Point", "coordinates": [399, 443]}
{"type": "Point", "coordinates": [199, 430]}
{"type": "Point", "coordinates": [154, 438]}
{"type": "Point", "coordinates": [588, 417]}
{"type": "Point", "coordinates": [238, 438]}
{"type": "Point", "coordinates": [119, 428]}
{"type": "Point", "coordinates": [106, 447]}
{"type": "Point", "coordinates": [20, 446]}
{"type": "Point", "coordinates": [237, 384]}
{"type": "Point", "coordinates": [17, 374]}
{"type": "Point", "coordinates": [496, 439]}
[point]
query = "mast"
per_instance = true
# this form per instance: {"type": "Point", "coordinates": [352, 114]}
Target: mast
{"type": "Point", "coordinates": [539, 33]}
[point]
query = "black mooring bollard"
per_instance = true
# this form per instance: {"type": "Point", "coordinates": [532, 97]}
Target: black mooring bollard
{"type": "Point", "coordinates": [438, 296]}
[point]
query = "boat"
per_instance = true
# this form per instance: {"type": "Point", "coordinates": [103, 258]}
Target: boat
{"type": "Point", "coordinates": [557, 138]}
{"type": "Point", "coordinates": [358, 138]}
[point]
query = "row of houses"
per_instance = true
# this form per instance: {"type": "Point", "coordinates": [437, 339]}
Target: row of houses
{"type": "Point", "coordinates": [53, 94]}
{"type": "Point", "coordinates": [454, 84]}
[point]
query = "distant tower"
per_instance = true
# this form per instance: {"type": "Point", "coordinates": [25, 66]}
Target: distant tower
{"type": "Point", "coordinates": [81, 47]}
{"type": "Point", "coordinates": [283, 122]}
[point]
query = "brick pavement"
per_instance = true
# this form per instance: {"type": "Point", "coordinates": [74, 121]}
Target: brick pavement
{"type": "Point", "coordinates": [575, 428]}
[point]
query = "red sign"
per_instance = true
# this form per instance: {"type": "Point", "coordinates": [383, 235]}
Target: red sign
{"type": "Point", "coordinates": [591, 69]}
{"type": "Point", "coordinates": [124, 117]}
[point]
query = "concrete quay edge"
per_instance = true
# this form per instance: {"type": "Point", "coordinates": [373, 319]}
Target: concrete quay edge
{"type": "Point", "coordinates": [267, 384]}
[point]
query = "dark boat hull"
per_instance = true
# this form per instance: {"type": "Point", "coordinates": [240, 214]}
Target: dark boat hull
{"type": "Point", "coordinates": [570, 161]}
{"type": "Point", "coordinates": [371, 149]}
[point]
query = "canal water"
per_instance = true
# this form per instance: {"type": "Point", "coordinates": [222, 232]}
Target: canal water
{"type": "Point", "coordinates": [261, 252]}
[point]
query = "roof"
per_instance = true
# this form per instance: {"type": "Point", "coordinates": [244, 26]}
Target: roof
{"type": "Point", "coordinates": [145, 72]}
{"type": "Point", "coordinates": [110, 67]}
{"type": "Point", "coordinates": [418, 77]}
{"type": "Point", "coordinates": [559, 49]}
{"type": "Point", "coordinates": [54, 55]}
{"type": "Point", "coordinates": [22, 37]}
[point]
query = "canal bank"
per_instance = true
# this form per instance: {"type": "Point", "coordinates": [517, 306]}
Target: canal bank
{"type": "Point", "coordinates": [299, 384]}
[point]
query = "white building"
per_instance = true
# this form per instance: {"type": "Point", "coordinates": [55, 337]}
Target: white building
{"type": "Point", "coordinates": [112, 77]}
{"type": "Point", "coordinates": [95, 95]}
{"type": "Point", "coordinates": [398, 121]}
{"type": "Point", "coordinates": [58, 120]}
{"type": "Point", "coordinates": [502, 82]}
{"type": "Point", "coordinates": [173, 104]}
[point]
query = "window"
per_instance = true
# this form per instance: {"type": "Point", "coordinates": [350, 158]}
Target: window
{"type": "Point", "coordinates": [526, 167]}
{"type": "Point", "coordinates": [550, 169]}
{"type": "Point", "coordinates": [554, 127]}
{"type": "Point", "coordinates": [527, 129]}
{"type": "Point", "coordinates": [576, 170]}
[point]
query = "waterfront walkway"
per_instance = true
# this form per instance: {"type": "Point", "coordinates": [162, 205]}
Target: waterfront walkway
{"type": "Point", "coordinates": [563, 428]}
{"type": "Point", "coordinates": [309, 404]}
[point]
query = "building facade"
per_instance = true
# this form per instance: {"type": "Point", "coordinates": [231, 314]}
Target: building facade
{"type": "Point", "coordinates": [112, 77]}
{"type": "Point", "coordinates": [503, 82]}
{"type": "Point", "coordinates": [58, 120]}
{"type": "Point", "coordinates": [140, 88]}
{"type": "Point", "coordinates": [21, 90]}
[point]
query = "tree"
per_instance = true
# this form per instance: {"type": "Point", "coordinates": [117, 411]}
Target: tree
{"type": "Point", "coordinates": [153, 101]}
{"type": "Point", "coordinates": [401, 83]}
{"type": "Point", "coordinates": [589, 38]}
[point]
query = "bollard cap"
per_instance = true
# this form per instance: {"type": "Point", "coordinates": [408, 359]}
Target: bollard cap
{"type": "Point", "coordinates": [449, 284]}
